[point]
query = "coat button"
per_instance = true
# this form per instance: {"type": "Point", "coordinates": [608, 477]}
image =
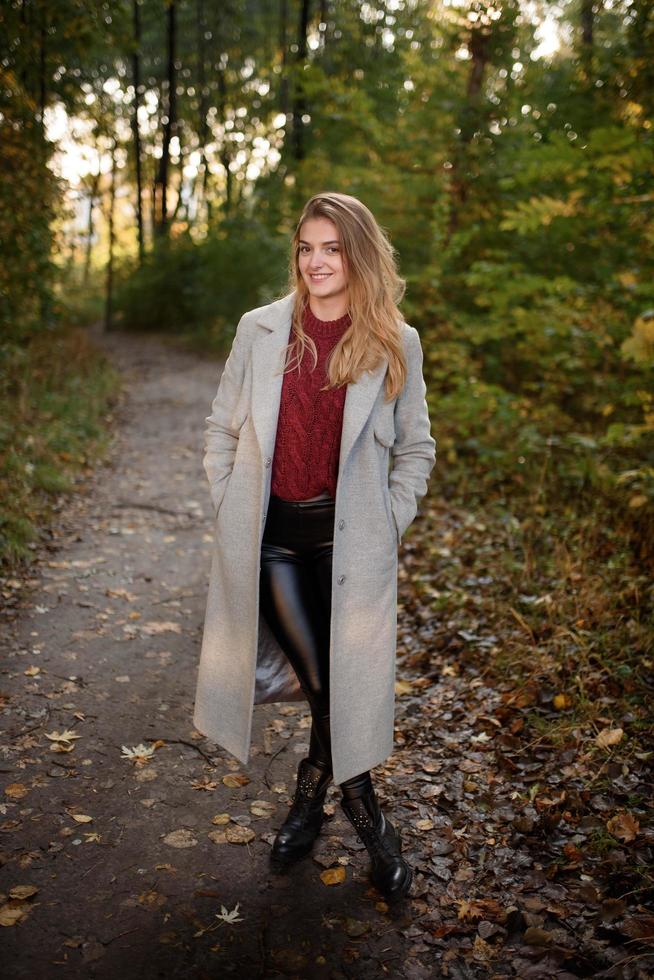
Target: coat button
{"type": "Point", "coordinates": [267, 461]}
{"type": "Point", "coordinates": [341, 524]}
{"type": "Point", "coordinates": [341, 579]}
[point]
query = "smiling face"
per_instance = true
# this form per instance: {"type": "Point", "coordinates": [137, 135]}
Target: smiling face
{"type": "Point", "coordinates": [323, 265]}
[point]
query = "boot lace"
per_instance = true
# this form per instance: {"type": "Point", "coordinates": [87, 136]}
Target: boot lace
{"type": "Point", "coordinates": [376, 842]}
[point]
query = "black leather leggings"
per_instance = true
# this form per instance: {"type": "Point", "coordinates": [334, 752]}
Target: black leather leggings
{"type": "Point", "coordinates": [295, 599]}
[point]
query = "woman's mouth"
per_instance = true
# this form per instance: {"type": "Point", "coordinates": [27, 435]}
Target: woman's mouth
{"type": "Point", "coordinates": [319, 276]}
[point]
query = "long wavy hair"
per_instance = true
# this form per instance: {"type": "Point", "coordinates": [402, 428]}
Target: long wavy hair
{"type": "Point", "coordinates": [374, 292]}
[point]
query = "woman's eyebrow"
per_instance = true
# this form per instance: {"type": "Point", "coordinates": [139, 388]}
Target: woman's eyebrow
{"type": "Point", "coordinates": [334, 241]}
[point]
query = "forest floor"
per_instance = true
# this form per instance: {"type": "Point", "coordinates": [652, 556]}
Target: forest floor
{"type": "Point", "coordinates": [132, 845]}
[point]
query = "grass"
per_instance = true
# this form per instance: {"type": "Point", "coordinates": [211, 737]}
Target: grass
{"type": "Point", "coordinates": [58, 392]}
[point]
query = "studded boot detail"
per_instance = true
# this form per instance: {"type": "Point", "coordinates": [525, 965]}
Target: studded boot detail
{"type": "Point", "coordinates": [298, 833]}
{"type": "Point", "coordinates": [389, 872]}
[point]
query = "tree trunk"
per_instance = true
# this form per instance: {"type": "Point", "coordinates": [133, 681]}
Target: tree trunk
{"type": "Point", "coordinates": [203, 108]}
{"type": "Point", "coordinates": [478, 45]}
{"type": "Point", "coordinates": [136, 79]}
{"type": "Point", "coordinates": [299, 99]}
{"type": "Point", "coordinates": [283, 77]}
{"type": "Point", "coordinates": [586, 54]}
{"type": "Point", "coordinates": [170, 123]}
{"type": "Point", "coordinates": [89, 231]}
{"type": "Point", "coordinates": [109, 294]}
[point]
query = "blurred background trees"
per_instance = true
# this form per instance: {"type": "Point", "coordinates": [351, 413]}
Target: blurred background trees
{"type": "Point", "coordinates": [156, 154]}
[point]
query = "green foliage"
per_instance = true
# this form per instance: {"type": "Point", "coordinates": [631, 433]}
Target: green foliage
{"type": "Point", "coordinates": [203, 289]}
{"type": "Point", "coordinates": [56, 391]}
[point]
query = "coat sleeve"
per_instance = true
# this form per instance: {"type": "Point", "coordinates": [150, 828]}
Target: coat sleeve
{"type": "Point", "coordinates": [220, 436]}
{"type": "Point", "coordinates": [414, 450]}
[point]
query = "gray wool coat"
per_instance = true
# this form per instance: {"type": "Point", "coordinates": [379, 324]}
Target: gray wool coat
{"type": "Point", "coordinates": [241, 663]}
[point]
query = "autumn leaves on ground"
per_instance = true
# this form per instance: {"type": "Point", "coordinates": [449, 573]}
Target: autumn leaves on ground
{"type": "Point", "coordinates": [521, 776]}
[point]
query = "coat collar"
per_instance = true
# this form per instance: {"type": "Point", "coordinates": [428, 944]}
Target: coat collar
{"type": "Point", "coordinates": [267, 364]}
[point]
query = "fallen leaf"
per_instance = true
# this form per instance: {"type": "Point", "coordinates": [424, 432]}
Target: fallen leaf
{"type": "Point", "coordinates": [139, 754]}
{"type": "Point", "coordinates": [16, 791]}
{"type": "Point", "coordinates": [235, 779]}
{"type": "Point", "coordinates": [152, 629]}
{"type": "Point", "coordinates": [356, 927]}
{"type": "Point", "coordinates": [537, 937]}
{"type": "Point", "coordinates": [11, 914]}
{"type": "Point", "coordinates": [262, 808]}
{"type": "Point", "coordinates": [229, 917]}
{"type": "Point", "coordinates": [180, 838]}
{"type": "Point", "coordinates": [624, 826]}
{"type": "Point", "coordinates": [23, 891]}
{"type": "Point", "coordinates": [608, 737]}
{"type": "Point", "coordinates": [239, 835]}
{"type": "Point", "coordinates": [333, 876]}
{"type": "Point", "coordinates": [562, 701]}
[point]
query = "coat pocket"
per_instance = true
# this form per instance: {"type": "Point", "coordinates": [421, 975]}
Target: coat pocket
{"type": "Point", "coordinates": [385, 431]}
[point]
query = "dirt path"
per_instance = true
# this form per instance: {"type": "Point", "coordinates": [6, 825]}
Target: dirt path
{"type": "Point", "coordinates": [113, 624]}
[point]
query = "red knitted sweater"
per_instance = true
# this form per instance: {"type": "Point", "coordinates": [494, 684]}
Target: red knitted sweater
{"type": "Point", "coordinates": [308, 441]}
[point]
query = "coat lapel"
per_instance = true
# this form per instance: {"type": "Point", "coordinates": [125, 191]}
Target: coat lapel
{"type": "Point", "coordinates": [267, 364]}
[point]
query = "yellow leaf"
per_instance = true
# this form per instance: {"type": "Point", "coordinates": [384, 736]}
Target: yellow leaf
{"type": "Point", "coordinates": [403, 687]}
{"type": "Point", "coordinates": [333, 876]}
{"type": "Point", "coordinates": [81, 817]}
{"type": "Point", "coordinates": [562, 701]}
{"type": "Point", "coordinates": [221, 818]}
{"type": "Point", "coordinates": [638, 500]}
{"type": "Point", "coordinates": [32, 671]}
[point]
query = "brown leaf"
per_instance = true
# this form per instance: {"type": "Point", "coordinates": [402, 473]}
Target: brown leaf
{"type": "Point", "coordinates": [180, 838]}
{"type": "Point", "coordinates": [239, 835]}
{"type": "Point", "coordinates": [356, 927]}
{"type": "Point", "coordinates": [16, 791]}
{"type": "Point", "coordinates": [624, 826]}
{"type": "Point", "coordinates": [639, 927]}
{"type": "Point", "coordinates": [11, 914]}
{"type": "Point", "coordinates": [613, 908]}
{"type": "Point", "coordinates": [537, 937]}
{"type": "Point", "coordinates": [235, 779]}
{"type": "Point", "coordinates": [23, 891]}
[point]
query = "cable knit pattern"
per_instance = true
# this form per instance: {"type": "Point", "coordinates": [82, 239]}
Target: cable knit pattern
{"type": "Point", "coordinates": [308, 441]}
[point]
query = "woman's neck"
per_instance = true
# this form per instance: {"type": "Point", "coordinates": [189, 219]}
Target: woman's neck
{"type": "Point", "coordinates": [327, 309]}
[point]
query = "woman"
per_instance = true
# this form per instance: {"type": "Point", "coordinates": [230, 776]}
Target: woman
{"type": "Point", "coordinates": [321, 391]}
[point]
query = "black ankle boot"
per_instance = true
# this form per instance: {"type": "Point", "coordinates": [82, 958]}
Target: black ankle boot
{"type": "Point", "coordinates": [297, 834]}
{"type": "Point", "coordinates": [389, 872]}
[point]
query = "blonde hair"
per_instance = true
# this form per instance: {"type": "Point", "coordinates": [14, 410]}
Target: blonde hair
{"type": "Point", "coordinates": [374, 291]}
